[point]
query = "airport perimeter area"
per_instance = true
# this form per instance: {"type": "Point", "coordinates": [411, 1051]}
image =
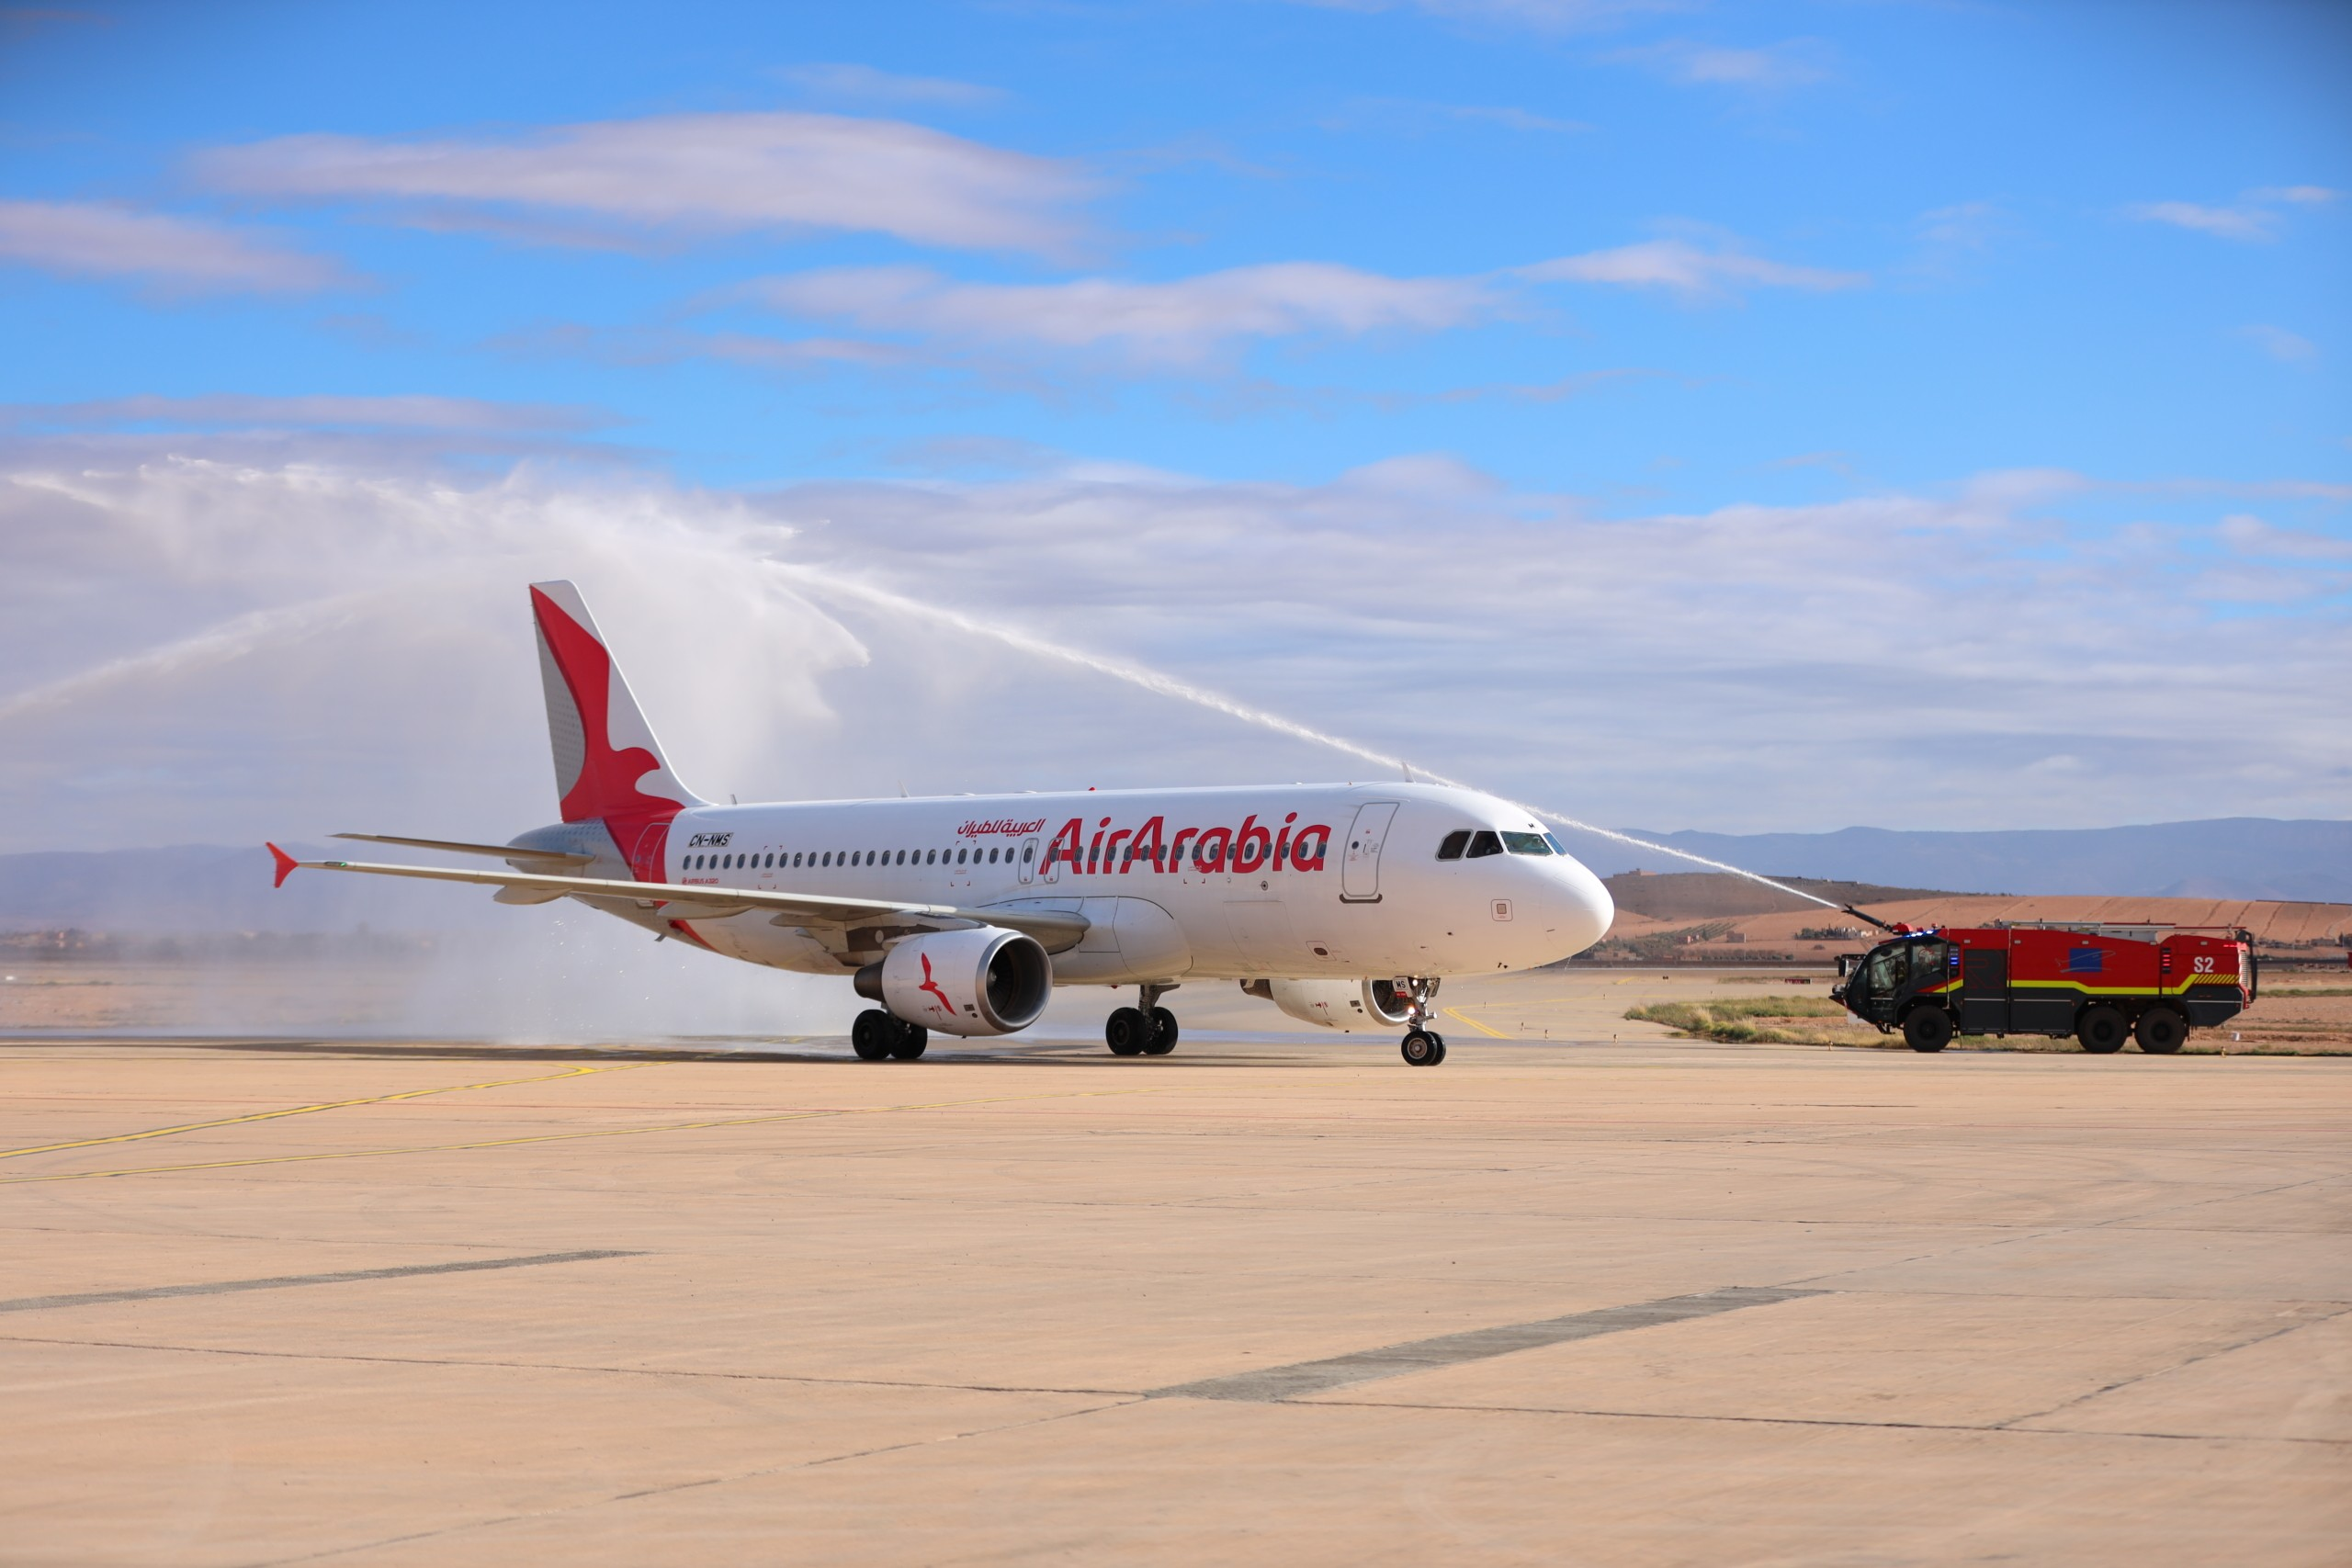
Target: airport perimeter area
{"type": "Point", "coordinates": [1275, 1298]}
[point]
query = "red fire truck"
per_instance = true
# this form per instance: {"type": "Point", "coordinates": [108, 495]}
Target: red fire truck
{"type": "Point", "coordinates": [2098, 983]}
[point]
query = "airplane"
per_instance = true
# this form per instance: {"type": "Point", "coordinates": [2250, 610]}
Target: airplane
{"type": "Point", "coordinates": [1342, 905]}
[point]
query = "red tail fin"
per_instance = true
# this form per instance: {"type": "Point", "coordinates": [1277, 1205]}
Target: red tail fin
{"type": "Point", "coordinates": [286, 865]}
{"type": "Point", "coordinates": [607, 764]}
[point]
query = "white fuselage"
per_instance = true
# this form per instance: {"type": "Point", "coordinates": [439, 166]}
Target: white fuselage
{"type": "Point", "coordinates": [1300, 882]}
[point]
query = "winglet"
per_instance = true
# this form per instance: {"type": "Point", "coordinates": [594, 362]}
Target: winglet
{"type": "Point", "coordinates": [286, 865]}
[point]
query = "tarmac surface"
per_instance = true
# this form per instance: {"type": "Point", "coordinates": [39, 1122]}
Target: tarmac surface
{"type": "Point", "coordinates": [1276, 1297]}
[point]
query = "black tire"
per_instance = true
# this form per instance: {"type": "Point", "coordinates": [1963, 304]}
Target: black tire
{"type": "Point", "coordinates": [1127, 1033]}
{"type": "Point", "coordinates": [1441, 1049]}
{"type": "Point", "coordinates": [1163, 1032]}
{"type": "Point", "coordinates": [1927, 1029]}
{"type": "Point", "coordinates": [873, 1034]}
{"type": "Point", "coordinates": [1423, 1050]}
{"type": "Point", "coordinates": [913, 1038]}
{"type": "Point", "coordinates": [2101, 1030]}
{"type": "Point", "coordinates": [2160, 1031]}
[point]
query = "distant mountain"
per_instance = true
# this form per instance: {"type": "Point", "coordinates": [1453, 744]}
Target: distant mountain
{"type": "Point", "coordinates": [2230, 857]}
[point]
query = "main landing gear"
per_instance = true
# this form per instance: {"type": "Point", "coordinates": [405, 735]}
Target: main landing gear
{"type": "Point", "coordinates": [1146, 1031]}
{"type": "Point", "coordinates": [1424, 1046]}
{"type": "Point", "coordinates": [877, 1036]}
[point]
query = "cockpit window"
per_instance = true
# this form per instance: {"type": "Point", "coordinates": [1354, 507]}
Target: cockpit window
{"type": "Point", "coordinates": [1527, 843]}
{"type": "Point", "coordinates": [1450, 847]}
{"type": "Point", "coordinates": [1483, 842]}
{"type": "Point", "coordinates": [1554, 839]}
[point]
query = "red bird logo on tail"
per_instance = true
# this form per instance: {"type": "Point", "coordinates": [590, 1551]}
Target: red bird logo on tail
{"type": "Point", "coordinates": [932, 987]}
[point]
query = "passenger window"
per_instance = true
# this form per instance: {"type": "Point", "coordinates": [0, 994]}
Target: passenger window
{"type": "Point", "coordinates": [959, 857]}
{"type": "Point", "coordinates": [992, 855]}
{"type": "Point", "coordinates": [1028, 854]}
{"type": "Point", "coordinates": [1526, 844]}
{"type": "Point", "coordinates": [1450, 847]}
{"type": "Point", "coordinates": [1482, 843]}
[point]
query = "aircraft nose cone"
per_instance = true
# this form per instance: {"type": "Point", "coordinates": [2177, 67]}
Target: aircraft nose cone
{"type": "Point", "coordinates": [1586, 909]}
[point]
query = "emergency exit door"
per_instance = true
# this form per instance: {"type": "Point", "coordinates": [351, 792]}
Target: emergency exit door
{"type": "Point", "coordinates": [1360, 863]}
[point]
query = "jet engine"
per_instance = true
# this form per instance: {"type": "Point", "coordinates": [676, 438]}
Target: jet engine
{"type": "Point", "coordinates": [986, 980]}
{"type": "Point", "coordinates": [1336, 1004]}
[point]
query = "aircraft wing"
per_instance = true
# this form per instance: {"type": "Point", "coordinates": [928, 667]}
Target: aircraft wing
{"type": "Point", "coordinates": [1058, 931]}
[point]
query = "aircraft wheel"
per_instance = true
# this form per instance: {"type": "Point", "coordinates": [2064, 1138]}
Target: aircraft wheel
{"type": "Point", "coordinates": [2101, 1030]}
{"type": "Point", "coordinates": [872, 1035]}
{"type": "Point", "coordinates": [912, 1039]}
{"type": "Point", "coordinates": [1422, 1049]}
{"type": "Point", "coordinates": [2160, 1031]}
{"type": "Point", "coordinates": [1128, 1032]}
{"type": "Point", "coordinates": [1163, 1032]}
{"type": "Point", "coordinates": [1441, 1049]}
{"type": "Point", "coordinates": [1927, 1029]}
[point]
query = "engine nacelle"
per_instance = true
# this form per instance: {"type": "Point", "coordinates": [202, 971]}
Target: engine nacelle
{"type": "Point", "coordinates": [1345, 1005]}
{"type": "Point", "coordinates": [983, 981]}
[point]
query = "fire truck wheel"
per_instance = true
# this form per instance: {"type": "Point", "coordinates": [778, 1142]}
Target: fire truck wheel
{"type": "Point", "coordinates": [2101, 1030]}
{"type": "Point", "coordinates": [1927, 1029]}
{"type": "Point", "coordinates": [2160, 1031]}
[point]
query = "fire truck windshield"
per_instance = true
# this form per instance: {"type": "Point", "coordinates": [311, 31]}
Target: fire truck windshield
{"type": "Point", "coordinates": [1896, 964]}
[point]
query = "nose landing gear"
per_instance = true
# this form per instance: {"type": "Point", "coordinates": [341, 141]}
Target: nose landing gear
{"type": "Point", "coordinates": [1146, 1031]}
{"type": "Point", "coordinates": [1424, 1046]}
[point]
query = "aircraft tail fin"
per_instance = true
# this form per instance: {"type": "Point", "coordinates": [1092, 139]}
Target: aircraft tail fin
{"type": "Point", "coordinates": [607, 764]}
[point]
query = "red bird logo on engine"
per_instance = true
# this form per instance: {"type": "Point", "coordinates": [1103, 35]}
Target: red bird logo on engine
{"type": "Point", "coordinates": [932, 987]}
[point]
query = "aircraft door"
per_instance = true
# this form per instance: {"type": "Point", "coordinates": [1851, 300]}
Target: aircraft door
{"type": "Point", "coordinates": [1360, 865]}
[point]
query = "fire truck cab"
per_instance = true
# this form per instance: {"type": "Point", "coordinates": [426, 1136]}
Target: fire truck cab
{"type": "Point", "coordinates": [2098, 983]}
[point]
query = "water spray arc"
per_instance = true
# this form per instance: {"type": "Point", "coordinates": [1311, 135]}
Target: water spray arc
{"type": "Point", "coordinates": [1200, 696]}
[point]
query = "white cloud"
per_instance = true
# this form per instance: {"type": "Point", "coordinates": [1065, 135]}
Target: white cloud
{"type": "Point", "coordinates": [2251, 536]}
{"type": "Point", "coordinates": [2305, 195]}
{"type": "Point", "coordinates": [81, 239]}
{"type": "Point", "coordinates": [1683, 268]}
{"type": "Point", "coordinates": [2256, 217]}
{"type": "Point", "coordinates": [2228, 222]}
{"type": "Point", "coordinates": [1183, 321]}
{"type": "Point", "coordinates": [1188, 322]}
{"type": "Point", "coordinates": [867, 85]}
{"type": "Point", "coordinates": [1539, 16]}
{"type": "Point", "coordinates": [2280, 344]}
{"type": "Point", "coordinates": [215, 651]}
{"type": "Point", "coordinates": [413, 411]}
{"type": "Point", "coordinates": [690, 174]}
{"type": "Point", "coordinates": [1796, 63]}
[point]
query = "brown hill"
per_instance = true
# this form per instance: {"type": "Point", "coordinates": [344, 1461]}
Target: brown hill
{"type": "Point", "coordinates": [1711, 895]}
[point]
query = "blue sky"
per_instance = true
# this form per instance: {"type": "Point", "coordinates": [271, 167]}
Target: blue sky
{"type": "Point", "coordinates": [1655, 402]}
